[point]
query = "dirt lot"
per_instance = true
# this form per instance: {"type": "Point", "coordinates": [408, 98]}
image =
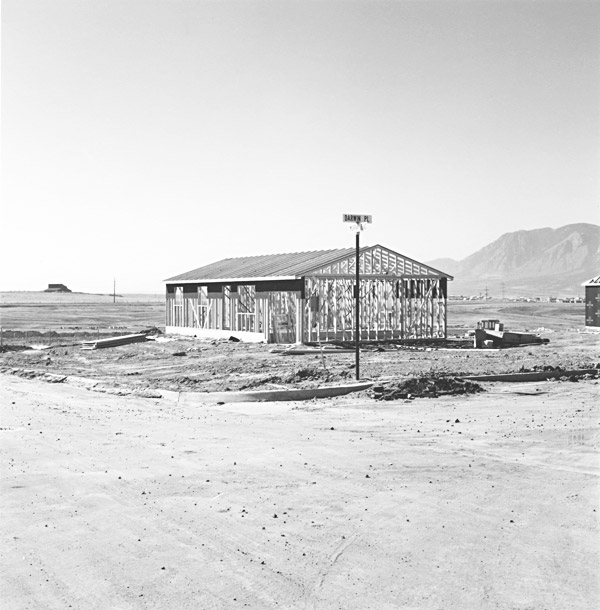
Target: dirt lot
{"type": "Point", "coordinates": [187, 364]}
{"type": "Point", "coordinates": [191, 365]}
{"type": "Point", "coordinates": [487, 501]}
{"type": "Point", "coordinates": [114, 499]}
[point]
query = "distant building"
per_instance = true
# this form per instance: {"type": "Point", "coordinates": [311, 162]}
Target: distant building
{"type": "Point", "coordinates": [57, 288]}
{"type": "Point", "coordinates": [592, 301]}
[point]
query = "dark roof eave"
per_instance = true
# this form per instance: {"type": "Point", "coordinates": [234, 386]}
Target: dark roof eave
{"type": "Point", "coordinates": [232, 280]}
{"type": "Point", "coordinates": [277, 278]}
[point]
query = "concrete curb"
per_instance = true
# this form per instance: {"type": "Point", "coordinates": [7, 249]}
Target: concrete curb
{"type": "Point", "coordinates": [264, 395]}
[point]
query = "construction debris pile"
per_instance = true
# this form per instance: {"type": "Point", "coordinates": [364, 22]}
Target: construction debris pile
{"type": "Point", "coordinates": [557, 369]}
{"type": "Point", "coordinates": [558, 372]}
{"type": "Point", "coordinates": [303, 377]}
{"type": "Point", "coordinates": [425, 387]}
{"type": "Point", "coordinates": [400, 344]}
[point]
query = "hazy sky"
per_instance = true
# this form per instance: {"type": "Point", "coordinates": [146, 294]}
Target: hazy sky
{"type": "Point", "coordinates": [144, 138]}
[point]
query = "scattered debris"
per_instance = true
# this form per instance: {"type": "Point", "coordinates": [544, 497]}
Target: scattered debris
{"type": "Point", "coordinates": [392, 345]}
{"type": "Point", "coordinates": [153, 333]}
{"type": "Point", "coordinates": [14, 348]}
{"type": "Point", "coordinates": [538, 375]}
{"type": "Point", "coordinates": [32, 374]}
{"type": "Point", "coordinates": [425, 387]}
{"type": "Point", "coordinates": [309, 351]}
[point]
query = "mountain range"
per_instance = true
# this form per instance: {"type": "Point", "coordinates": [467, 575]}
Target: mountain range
{"type": "Point", "coordinates": [541, 262]}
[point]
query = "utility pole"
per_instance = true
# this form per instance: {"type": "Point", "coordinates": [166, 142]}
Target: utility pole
{"type": "Point", "coordinates": [114, 290]}
{"type": "Point", "coordinates": [358, 220]}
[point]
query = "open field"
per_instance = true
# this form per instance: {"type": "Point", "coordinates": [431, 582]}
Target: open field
{"type": "Point", "coordinates": [55, 312]}
{"type": "Point", "coordinates": [70, 312]}
{"type": "Point", "coordinates": [113, 499]}
{"type": "Point", "coordinates": [464, 315]}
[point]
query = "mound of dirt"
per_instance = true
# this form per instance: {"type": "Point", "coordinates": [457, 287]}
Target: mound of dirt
{"type": "Point", "coordinates": [299, 378]}
{"type": "Point", "coordinates": [425, 387]}
{"type": "Point", "coordinates": [306, 374]}
{"type": "Point", "coordinates": [13, 348]}
{"type": "Point", "coordinates": [552, 369]}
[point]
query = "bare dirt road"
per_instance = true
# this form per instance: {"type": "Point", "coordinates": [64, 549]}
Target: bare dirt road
{"type": "Point", "coordinates": [481, 502]}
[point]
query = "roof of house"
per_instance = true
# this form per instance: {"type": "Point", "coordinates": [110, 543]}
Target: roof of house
{"type": "Point", "coordinates": [283, 266]}
{"type": "Point", "coordinates": [595, 281]}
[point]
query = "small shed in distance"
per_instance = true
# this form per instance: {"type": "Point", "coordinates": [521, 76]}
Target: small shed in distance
{"type": "Point", "coordinates": [308, 297]}
{"type": "Point", "coordinates": [57, 288]}
{"type": "Point", "coordinates": [592, 301]}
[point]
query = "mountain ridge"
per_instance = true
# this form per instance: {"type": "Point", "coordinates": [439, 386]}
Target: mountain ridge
{"type": "Point", "coordinates": [536, 262]}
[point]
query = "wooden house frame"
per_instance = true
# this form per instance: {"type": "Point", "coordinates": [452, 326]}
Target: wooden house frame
{"type": "Point", "coordinates": [309, 297]}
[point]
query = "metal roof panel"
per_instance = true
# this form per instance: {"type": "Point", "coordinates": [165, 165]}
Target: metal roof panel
{"type": "Point", "coordinates": [295, 264]}
{"type": "Point", "coordinates": [595, 281]}
{"type": "Point", "coordinates": [266, 265]}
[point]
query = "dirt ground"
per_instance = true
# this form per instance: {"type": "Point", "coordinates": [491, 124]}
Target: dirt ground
{"type": "Point", "coordinates": [187, 364]}
{"type": "Point", "coordinates": [114, 498]}
{"type": "Point", "coordinates": [486, 501]}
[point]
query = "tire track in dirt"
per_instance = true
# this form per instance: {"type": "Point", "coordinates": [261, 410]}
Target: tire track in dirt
{"type": "Point", "coordinates": [312, 600]}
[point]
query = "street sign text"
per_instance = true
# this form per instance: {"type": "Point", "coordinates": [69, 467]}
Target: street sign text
{"type": "Point", "coordinates": [357, 218]}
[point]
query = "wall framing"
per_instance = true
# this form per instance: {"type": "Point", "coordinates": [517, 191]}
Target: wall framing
{"type": "Point", "coordinates": [400, 299]}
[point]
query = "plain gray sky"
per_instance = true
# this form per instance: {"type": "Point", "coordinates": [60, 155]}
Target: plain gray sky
{"type": "Point", "coordinates": [144, 138]}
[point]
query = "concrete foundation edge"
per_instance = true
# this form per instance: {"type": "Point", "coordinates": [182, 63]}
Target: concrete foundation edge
{"type": "Point", "coordinates": [209, 333]}
{"type": "Point", "coordinates": [190, 398]}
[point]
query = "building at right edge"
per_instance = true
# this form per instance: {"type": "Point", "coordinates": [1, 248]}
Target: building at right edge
{"type": "Point", "coordinates": [592, 301]}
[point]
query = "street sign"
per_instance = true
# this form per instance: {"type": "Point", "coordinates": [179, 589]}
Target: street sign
{"type": "Point", "coordinates": [357, 218]}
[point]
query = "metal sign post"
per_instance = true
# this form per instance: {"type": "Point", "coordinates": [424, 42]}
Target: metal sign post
{"type": "Point", "coordinates": [358, 220]}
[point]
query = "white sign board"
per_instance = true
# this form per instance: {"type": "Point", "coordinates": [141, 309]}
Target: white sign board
{"type": "Point", "coordinates": [357, 218]}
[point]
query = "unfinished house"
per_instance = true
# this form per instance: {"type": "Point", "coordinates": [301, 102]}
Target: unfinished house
{"type": "Point", "coordinates": [309, 297]}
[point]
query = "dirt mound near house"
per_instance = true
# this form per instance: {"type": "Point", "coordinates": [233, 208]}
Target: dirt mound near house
{"type": "Point", "coordinates": [425, 387]}
{"type": "Point", "coordinates": [13, 348]}
{"type": "Point", "coordinates": [300, 378]}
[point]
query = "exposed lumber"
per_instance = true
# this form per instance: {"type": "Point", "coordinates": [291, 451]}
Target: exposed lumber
{"type": "Point", "coordinates": [400, 299]}
{"type": "Point", "coordinates": [113, 341]}
{"type": "Point", "coordinates": [310, 351]}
